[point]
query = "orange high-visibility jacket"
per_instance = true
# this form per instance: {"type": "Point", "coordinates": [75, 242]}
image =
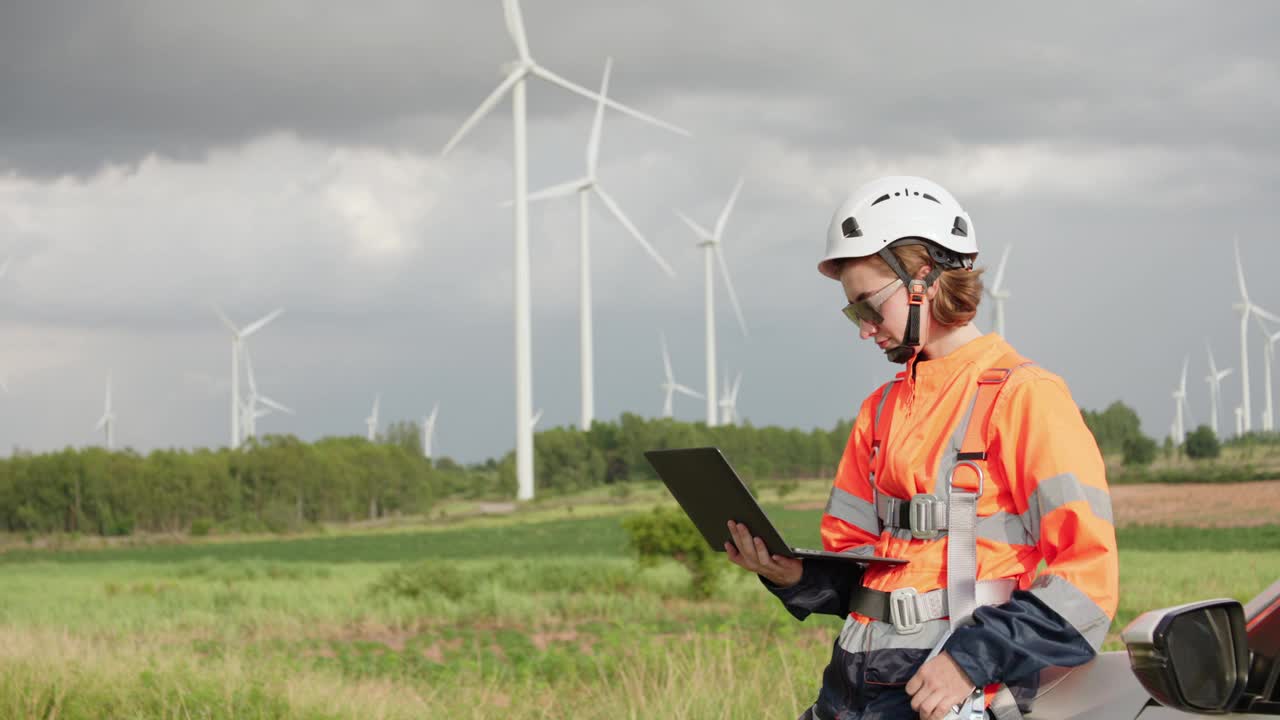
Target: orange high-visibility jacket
{"type": "Point", "coordinates": [1045, 499]}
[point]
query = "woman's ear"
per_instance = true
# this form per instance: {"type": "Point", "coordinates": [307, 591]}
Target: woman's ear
{"type": "Point", "coordinates": [921, 274]}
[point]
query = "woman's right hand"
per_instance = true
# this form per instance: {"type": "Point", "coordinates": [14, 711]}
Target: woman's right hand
{"type": "Point", "coordinates": [750, 553]}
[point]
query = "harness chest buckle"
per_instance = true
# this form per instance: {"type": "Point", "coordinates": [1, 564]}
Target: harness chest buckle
{"type": "Point", "coordinates": [922, 513]}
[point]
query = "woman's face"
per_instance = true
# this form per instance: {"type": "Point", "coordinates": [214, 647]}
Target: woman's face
{"type": "Point", "coordinates": [861, 279]}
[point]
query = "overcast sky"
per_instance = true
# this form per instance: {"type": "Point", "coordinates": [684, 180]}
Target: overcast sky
{"type": "Point", "coordinates": [158, 156]}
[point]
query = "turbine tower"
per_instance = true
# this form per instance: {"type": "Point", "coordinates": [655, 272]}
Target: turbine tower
{"type": "Point", "coordinates": [1246, 308]}
{"type": "Point", "coordinates": [238, 336]}
{"type": "Point", "coordinates": [710, 242]}
{"type": "Point", "coordinates": [108, 420]}
{"type": "Point", "coordinates": [997, 291]}
{"type": "Point", "coordinates": [1180, 406]}
{"type": "Point", "coordinates": [669, 386]}
{"type": "Point", "coordinates": [429, 431]}
{"type": "Point", "coordinates": [583, 187]}
{"type": "Point", "coordinates": [518, 71]}
{"type": "Point", "coordinates": [1214, 378]}
{"type": "Point", "coordinates": [729, 401]}
{"type": "Point", "coordinates": [371, 422]}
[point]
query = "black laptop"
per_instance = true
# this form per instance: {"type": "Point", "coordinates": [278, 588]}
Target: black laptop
{"type": "Point", "coordinates": [711, 494]}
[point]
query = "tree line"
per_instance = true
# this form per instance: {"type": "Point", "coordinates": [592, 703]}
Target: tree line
{"type": "Point", "coordinates": [280, 483]}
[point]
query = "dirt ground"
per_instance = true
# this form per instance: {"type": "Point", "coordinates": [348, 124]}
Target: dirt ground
{"type": "Point", "coordinates": [1190, 505]}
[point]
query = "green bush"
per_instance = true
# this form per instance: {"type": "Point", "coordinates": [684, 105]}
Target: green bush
{"type": "Point", "coordinates": [1202, 443]}
{"type": "Point", "coordinates": [201, 527]}
{"type": "Point", "coordinates": [423, 578]}
{"type": "Point", "coordinates": [1139, 450]}
{"type": "Point", "coordinates": [668, 533]}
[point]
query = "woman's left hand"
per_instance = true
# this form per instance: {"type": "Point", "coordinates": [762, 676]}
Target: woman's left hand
{"type": "Point", "coordinates": [938, 685]}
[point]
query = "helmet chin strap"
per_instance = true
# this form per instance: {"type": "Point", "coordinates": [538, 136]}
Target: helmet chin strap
{"type": "Point", "coordinates": [916, 290]}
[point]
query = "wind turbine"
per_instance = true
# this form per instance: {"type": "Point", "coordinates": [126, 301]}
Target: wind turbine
{"type": "Point", "coordinates": [729, 401]}
{"type": "Point", "coordinates": [1214, 378]}
{"type": "Point", "coordinates": [429, 431]}
{"type": "Point", "coordinates": [108, 419]}
{"type": "Point", "coordinates": [238, 336]}
{"type": "Point", "coordinates": [711, 241]}
{"type": "Point", "coordinates": [1246, 308]}
{"type": "Point", "coordinates": [1268, 355]}
{"type": "Point", "coordinates": [371, 422]}
{"type": "Point", "coordinates": [583, 187]}
{"type": "Point", "coordinates": [518, 71]}
{"type": "Point", "coordinates": [670, 386]}
{"type": "Point", "coordinates": [1180, 406]}
{"type": "Point", "coordinates": [252, 412]}
{"type": "Point", "coordinates": [997, 291]}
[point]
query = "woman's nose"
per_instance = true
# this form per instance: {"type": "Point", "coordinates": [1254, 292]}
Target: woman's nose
{"type": "Point", "coordinates": [866, 330]}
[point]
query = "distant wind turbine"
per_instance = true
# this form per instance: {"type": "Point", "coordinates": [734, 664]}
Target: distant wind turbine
{"type": "Point", "coordinates": [1246, 308]}
{"type": "Point", "coordinates": [998, 292]}
{"type": "Point", "coordinates": [1180, 406]}
{"type": "Point", "coordinates": [583, 187]}
{"type": "Point", "coordinates": [108, 420]}
{"type": "Point", "coordinates": [1268, 356]}
{"type": "Point", "coordinates": [252, 412]}
{"type": "Point", "coordinates": [238, 336]}
{"type": "Point", "coordinates": [711, 241]}
{"type": "Point", "coordinates": [669, 386]}
{"type": "Point", "coordinates": [729, 401]}
{"type": "Point", "coordinates": [371, 422]}
{"type": "Point", "coordinates": [429, 431]}
{"type": "Point", "coordinates": [518, 71]}
{"type": "Point", "coordinates": [1214, 378]}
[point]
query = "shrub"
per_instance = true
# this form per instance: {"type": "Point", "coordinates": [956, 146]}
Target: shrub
{"type": "Point", "coordinates": [1139, 450]}
{"type": "Point", "coordinates": [668, 533]}
{"type": "Point", "coordinates": [201, 527]}
{"type": "Point", "coordinates": [1202, 443]}
{"type": "Point", "coordinates": [423, 578]}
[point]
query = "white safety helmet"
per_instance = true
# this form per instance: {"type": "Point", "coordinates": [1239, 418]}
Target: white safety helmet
{"type": "Point", "coordinates": [894, 208]}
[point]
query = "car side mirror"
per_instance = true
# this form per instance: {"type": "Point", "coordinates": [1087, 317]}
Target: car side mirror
{"type": "Point", "coordinates": [1193, 657]}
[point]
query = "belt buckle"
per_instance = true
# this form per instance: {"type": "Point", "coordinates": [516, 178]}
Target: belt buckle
{"type": "Point", "coordinates": [904, 614]}
{"type": "Point", "coordinates": [920, 511]}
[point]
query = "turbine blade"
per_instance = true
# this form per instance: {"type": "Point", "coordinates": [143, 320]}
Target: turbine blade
{"type": "Point", "coordinates": [248, 366]}
{"type": "Point", "coordinates": [226, 320]}
{"type": "Point", "coordinates": [432, 418]}
{"type": "Point", "coordinates": [1182, 386]}
{"type": "Point", "coordinates": [631, 228]}
{"type": "Point", "coordinates": [484, 108]}
{"type": "Point", "coordinates": [102, 422]}
{"type": "Point", "coordinates": [690, 392]}
{"type": "Point", "coordinates": [274, 405]}
{"type": "Point", "coordinates": [666, 358]}
{"type": "Point", "coordinates": [697, 229]}
{"type": "Point", "coordinates": [555, 191]}
{"type": "Point", "coordinates": [737, 383]}
{"type": "Point", "coordinates": [593, 144]}
{"type": "Point", "coordinates": [1244, 293]}
{"type": "Point", "coordinates": [1260, 312]}
{"type": "Point", "coordinates": [515, 27]}
{"type": "Point", "coordinates": [728, 208]}
{"type": "Point", "coordinates": [551, 77]}
{"type": "Point", "coordinates": [1004, 258]}
{"type": "Point", "coordinates": [261, 323]}
{"type": "Point", "coordinates": [728, 284]}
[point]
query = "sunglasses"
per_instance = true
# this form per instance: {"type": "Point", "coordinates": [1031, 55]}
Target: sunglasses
{"type": "Point", "coordinates": [867, 310]}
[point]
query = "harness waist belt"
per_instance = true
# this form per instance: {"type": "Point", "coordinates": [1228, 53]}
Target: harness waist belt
{"type": "Point", "coordinates": [908, 610]}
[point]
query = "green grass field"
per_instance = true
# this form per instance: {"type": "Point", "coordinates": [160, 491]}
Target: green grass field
{"type": "Point", "coordinates": [543, 616]}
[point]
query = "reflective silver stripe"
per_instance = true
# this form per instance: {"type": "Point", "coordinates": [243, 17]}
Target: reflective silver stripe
{"type": "Point", "coordinates": [884, 398]}
{"type": "Point", "coordinates": [1004, 706]}
{"type": "Point", "coordinates": [1002, 527]}
{"type": "Point", "coordinates": [1074, 606]}
{"type": "Point", "coordinates": [853, 510]}
{"type": "Point", "coordinates": [1052, 493]}
{"type": "Point", "coordinates": [948, 460]}
{"type": "Point", "coordinates": [858, 637]}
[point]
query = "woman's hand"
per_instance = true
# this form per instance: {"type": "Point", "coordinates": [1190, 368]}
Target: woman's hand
{"type": "Point", "coordinates": [749, 553]}
{"type": "Point", "coordinates": [937, 686]}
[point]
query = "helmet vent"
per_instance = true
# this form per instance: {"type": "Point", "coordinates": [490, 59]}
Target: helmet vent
{"type": "Point", "coordinates": [880, 199]}
{"type": "Point", "coordinates": [850, 228]}
{"type": "Point", "coordinates": [961, 228]}
{"type": "Point", "coordinates": [927, 196]}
